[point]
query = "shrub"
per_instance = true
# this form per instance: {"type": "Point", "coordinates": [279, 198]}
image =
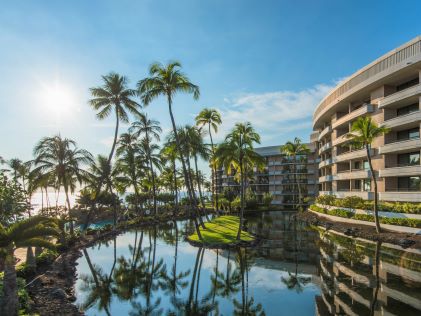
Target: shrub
{"type": "Point", "coordinates": [267, 199]}
{"type": "Point", "coordinates": [47, 256]}
{"type": "Point", "coordinates": [236, 204]}
{"type": "Point", "coordinates": [326, 199]}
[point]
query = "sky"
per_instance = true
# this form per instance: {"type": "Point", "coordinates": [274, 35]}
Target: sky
{"type": "Point", "coordinates": [267, 62]}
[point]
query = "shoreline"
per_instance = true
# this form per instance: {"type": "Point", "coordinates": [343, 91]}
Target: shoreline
{"type": "Point", "coordinates": [52, 291]}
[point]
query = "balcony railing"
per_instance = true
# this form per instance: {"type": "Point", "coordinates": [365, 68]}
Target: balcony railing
{"type": "Point", "coordinates": [325, 147]}
{"type": "Point", "coordinates": [403, 119]}
{"type": "Point", "coordinates": [364, 109]}
{"type": "Point", "coordinates": [400, 96]}
{"type": "Point", "coordinates": [325, 131]}
{"type": "Point", "coordinates": [353, 155]}
{"type": "Point", "coordinates": [400, 146]}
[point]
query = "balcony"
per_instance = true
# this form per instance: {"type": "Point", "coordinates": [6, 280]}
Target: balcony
{"type": "Point", "coordinates": [324, 132]}
{"type": "Point", "coordinates": [275, 182]}
{"type": "Point", "coordinates": [402, 121]}
{"type": "Point", "coordinates": [400, 171]}
{"type": "Point", "coordinates": [355, 154]}
{"type": "Point", "coordinates": [327, 178]}
{"type": "Point", "coordinates": [339, 140]}
{"type": "Point", "coordinates": [364, 109]}
{"type": "Point", "coordinates": [326, 162]}
{"type": "Point", "coordinates": [400, 146]}
{"type": "Point", "coordinates": [325, 147]}
{"type": "Point", "coordinates": [353, 174]}
{"type": "Point", "coordinates": [403, 196]}
{"type": "Point", "coordinates": [400, 96]}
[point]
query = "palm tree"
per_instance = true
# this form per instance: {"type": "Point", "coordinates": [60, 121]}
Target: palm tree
{"type": "Point", "coordinates": [59, 159]}
{"type": "Point", "coordinates": [211, 118]}
{"type": "Point", "coordinates": [197, 149]}
{"type": "Point", "coordinates": [31, 232]}
{"type": "Point", "coordinates": [363, 132]}
{"type": "Point", "coordinates": [237, 153]}
{"type": "Point", "coordinates": [151, 131]}
{"type": "Point", "coordinates": [293, 150]}
{"type": "Point", "coordinates": [149, 151]}
{"type": "Point", "coordinates": [130, 164]}
{"type": "Point", "coordinates": [169, 153]}
{"type": "Point", "coordinates": [114, 96]}
{"type": "Point", "coordinates": [167, 81]}
{"type": "Point", "coordinates": [102, 172]}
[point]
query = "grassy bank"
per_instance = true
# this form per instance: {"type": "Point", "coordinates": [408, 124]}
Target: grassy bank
{"type": "Point", "coordinates": [221, 230]}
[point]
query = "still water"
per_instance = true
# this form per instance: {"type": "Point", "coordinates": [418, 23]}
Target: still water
{"type": "Point", "coordinates": [297, 270]}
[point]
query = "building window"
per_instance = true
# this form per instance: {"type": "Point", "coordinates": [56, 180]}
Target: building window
{"type": "Point", "coordinates": [407, 84]}
{"type": "Point", "coordinates": [409, 159]}
{"type": "Point", "coordinates": [366, 184]}
{"type": "Point", "coordinates": [407, 109]}
{"type": "Point", "coordinates": [409, 183]}
{"type": "Point", "coordinates": [413, 133]}
{"type": "Point", "coordinates": [357, 185]}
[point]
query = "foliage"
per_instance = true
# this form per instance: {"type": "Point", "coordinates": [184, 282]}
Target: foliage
{"type": "Point", "coordinates": [409, 222]}
{"type": "Point", "coordinates": [354, 202]}
{"type": "Point", "coordinates": [23, 295]}
{"type": "Point", "coordinates": [221, 230]}
{"type": "Point", "coordinates": [251, 200]}
{"type": "Point", "coordinates": [267, 199]}
{"type": "Point", "coordinates": [13, 201]}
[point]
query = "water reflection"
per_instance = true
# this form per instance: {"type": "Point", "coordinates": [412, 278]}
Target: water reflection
{"type": "Point", "coordinates": [296, 268]}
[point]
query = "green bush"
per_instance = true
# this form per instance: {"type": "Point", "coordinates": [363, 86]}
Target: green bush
{"type": "Point", "coordinates": [24, 271]}
{"type": "Point", "coordinates": [47, 256]}
{"type": "Point", "coordinates": [267, 199]}
{"type": "Point", "coordinates": [236, 204]}
{"type": "Point", "coordinates": [22, 294]}
{"type": "Point", "coordinates": [355, 202]}
{"type": "Point", "coordinates": [409, 222]}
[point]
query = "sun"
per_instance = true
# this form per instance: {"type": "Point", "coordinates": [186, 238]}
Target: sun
{"type": "Point", "coordinates": [57, 99]}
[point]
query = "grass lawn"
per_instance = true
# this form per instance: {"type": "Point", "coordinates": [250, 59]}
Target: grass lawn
{"type": "Point", "coordinates": [221, 230]}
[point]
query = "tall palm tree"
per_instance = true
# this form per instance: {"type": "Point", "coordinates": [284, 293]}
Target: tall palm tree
{"type": "Point", "coordinates": [151, 130]}
{"type": "Point", "coordinates": [166, 81]}
{"type": "Point", "coordinates": [169, 153]}
{"type": "Point", "coordinates": [150, 152]}
{"type": "Point", "coordinates": [130, 164]}
{"type": "Point", "coordinates": [211, 118]}
{"type": "Point", "coordinates": [197, 149]}
{"type": "Point", "coordinates": [103, 172]}
{"type": "Point", "coordinates": [59, 158]}
{"type": "Point", "coordinates": [31, 232]}
{"type": "Point", "coordinates": [363, 132]}
{"type": "Point", "coordinates": [237, 153]}
{"type": "Point", "coordinates": [293, 150]}
{"type": "Point", "coordinates": [114, 96]}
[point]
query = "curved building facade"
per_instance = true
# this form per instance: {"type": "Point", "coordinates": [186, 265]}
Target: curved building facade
{"type": "Point", "coordinates": [389, 91]}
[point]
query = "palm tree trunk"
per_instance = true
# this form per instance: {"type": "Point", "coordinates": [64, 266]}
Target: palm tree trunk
{"type": "Point", "coordinates": [177, 140]}
{"type": "Point", "coordinates": [153, 186]}
{"type": "Point", "coordinates": [175, 187]}
{"type": "Point", "coordinates": [377, 267]}
{"type": "Point", "coordinates": [198, 181]}
{"type": "Point", "coordinates": [373, 177]}
{"type": "Point", "coordinates": [196, 202]}
{"type": "Point", "coordinates": [193, 281]}
{"type": "Point", "coordinates": [215, 174]}
{"type": "Point", "coordinates": [66, 189]}
{"type": "Point", "coordinates": [10, 289]}
{"type": "Point", "coordinates": [242, 199]}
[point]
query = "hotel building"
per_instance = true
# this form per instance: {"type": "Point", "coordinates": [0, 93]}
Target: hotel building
{"type": "Point", "coordinates": [388, 90]}
{"type": "Point", "coordinates": [278, 177]}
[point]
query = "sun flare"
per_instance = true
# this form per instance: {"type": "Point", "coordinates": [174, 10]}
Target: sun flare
{"type": "Point", "coordinates": [56, 98]}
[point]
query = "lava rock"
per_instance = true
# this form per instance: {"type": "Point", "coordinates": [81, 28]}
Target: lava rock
{"type": "Point", "coordinates": [405, 243]}
{"type": "Point", "coordinates": [58, 293]}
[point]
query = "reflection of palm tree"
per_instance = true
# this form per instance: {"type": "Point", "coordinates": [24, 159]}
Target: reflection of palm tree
{"type": "Point", "coordinates": [192, 306]}
{"type": "Point", "coordinates": [98, 287]}
{"type": "Point", "coordinates": [228, 284]}
{"type": "Point", "coordinates": [373, 306]}
{"type": "Point", "coordinates": [150, 309]}
{"type": "Point", "coordinates": [248, 308]}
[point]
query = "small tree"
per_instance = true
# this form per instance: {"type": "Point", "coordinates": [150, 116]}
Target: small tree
{"type": "Point", "coordinates": [363, 132]}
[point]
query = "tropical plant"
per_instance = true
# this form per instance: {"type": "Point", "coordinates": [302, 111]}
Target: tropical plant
{"type": "Point", "coordinates": [211, 118]}
{"type": "Point", "coordinates": [167, 81]}
{"type": "Point", "coordinates": [237, 154]}
{"type": "Point", "coordinates": [151, 130]}
{"type": "Point", "coordinates": [13, 202]}
{"type": "Point", "coordinates": [31, 232]}
{"type": "Point", "coordinates": [363, 132]}
{"type": "Point", "coordinates": [295, 150]}
{"type": "Point", "coordinates": [169, 153]}
{"type": "Point", "coordinates": [59, 159]}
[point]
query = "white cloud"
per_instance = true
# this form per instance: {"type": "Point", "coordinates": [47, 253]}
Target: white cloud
{"type": "Point", "coordinates": [273, 114]}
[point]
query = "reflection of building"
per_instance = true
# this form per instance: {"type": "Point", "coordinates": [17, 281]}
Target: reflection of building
{"type": "Point", "coordinates": [278, 177]}
{"type": "Point", "coordinates": [284, 238]}
{"type": "Point", "coordinates": [348, 279]}
{"type": "Point", "coordinates": [389, 91]}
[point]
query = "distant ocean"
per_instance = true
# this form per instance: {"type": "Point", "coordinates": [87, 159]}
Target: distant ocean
{"type": "Point", "coordinates": [36, 200]}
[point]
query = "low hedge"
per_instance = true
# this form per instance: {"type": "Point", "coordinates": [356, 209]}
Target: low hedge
{"type": "Point", "coordinates": [355, 202]}
{"type": "Point", "coordinates": [408, 222]}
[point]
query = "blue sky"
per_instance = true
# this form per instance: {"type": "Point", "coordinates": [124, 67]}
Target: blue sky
{"type": "Point", "coordinates": [268, 62]}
